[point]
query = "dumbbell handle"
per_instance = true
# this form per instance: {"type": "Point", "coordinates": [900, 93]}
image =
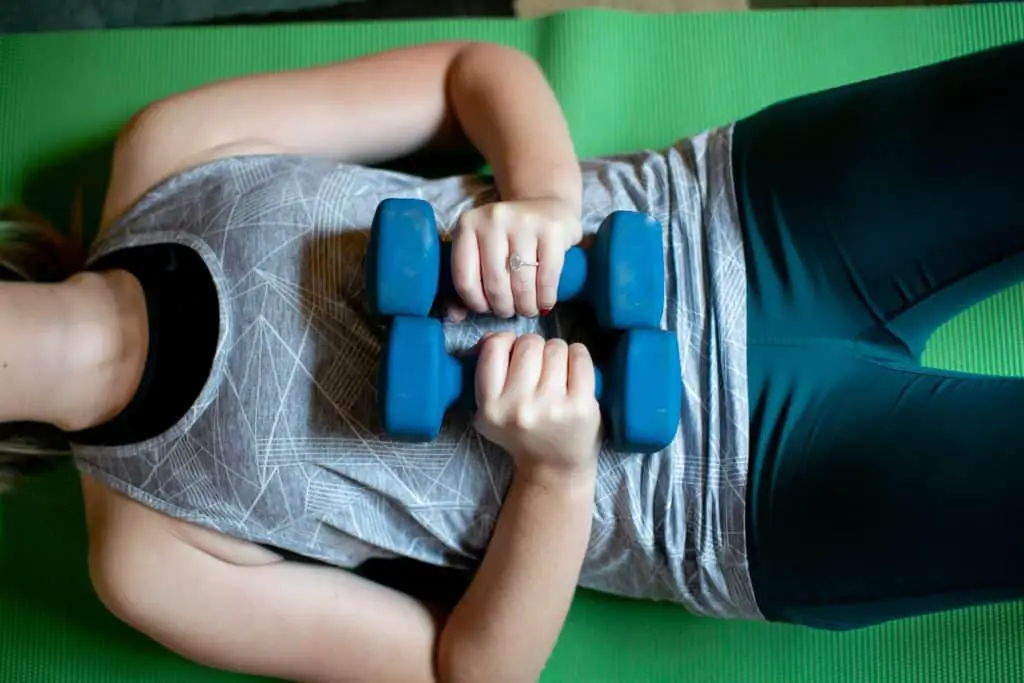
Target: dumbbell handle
{"type": "Point", "coordinates": [465, 367]}
{"type": "Point", "coordinates": [570, 283]}
{"type": "Point", "coordinates": [639, 388]}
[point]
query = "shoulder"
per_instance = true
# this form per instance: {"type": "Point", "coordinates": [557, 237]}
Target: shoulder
{"type": "Point", "coordinates": [154, 146]}
{"type": "Point", "coordinates": [221, 603]}
{"type": "Point", "coordinates": [125, 537]}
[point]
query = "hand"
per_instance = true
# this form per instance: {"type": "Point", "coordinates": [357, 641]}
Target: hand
{"type": "Point", "coordinates": [540, 231]}
{"type": "Point", "coordinates": [536, 400]}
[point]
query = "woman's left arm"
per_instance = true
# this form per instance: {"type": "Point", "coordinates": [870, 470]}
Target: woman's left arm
{"type": "Point", "coordinates": [367, 110]}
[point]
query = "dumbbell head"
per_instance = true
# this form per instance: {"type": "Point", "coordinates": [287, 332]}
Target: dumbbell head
{"type": "Point", "coordinates": [417, 380]}
{"type": "Point", "coordinates": [640, 390]}
{"type": "Point", "coordinates": [642, 393]}
{"type": "Point", "coordinates": [626, 277]}
{"type": "Point", "coordinates": [402, 258]}
{"type": "Point", "coordinates": [623, 275]}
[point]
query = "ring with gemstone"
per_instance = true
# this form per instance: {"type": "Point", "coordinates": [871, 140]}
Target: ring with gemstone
{"type": "Point", "coordinates": [516, 262]}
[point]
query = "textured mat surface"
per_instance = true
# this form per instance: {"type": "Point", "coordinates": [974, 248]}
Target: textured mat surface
{"type": "Point", "coordinates": [626, 82]}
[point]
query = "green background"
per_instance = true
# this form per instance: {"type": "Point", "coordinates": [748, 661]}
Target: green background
{"type": "Point", "coordinates": [625, 82]}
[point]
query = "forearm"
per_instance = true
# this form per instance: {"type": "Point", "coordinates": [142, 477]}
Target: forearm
{"type": "Point", "coordinates": [505, 627]}
{"type": "Point", "coordinates": [509, 113]}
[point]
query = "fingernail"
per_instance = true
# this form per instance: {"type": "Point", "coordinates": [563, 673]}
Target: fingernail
{"type": "Point", "coordinates": [545, 311]}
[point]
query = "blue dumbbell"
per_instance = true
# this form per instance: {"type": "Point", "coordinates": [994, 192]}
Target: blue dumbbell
{"type": "Point", "coordinates": [640, 390]}
{"type": "Point", "coordinates": [622, 276]}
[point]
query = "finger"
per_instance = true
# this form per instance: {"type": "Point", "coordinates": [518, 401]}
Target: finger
{"type": "Point", "coordinates": [492, 366]}
{"type": "Point", "coordinates": [494, 266]}
{"type": "Point", "coordinates": [525, 367]}
{"type": "Point", "coordinates": [524, 281]}
{"type": "Point", "coordinates": [483, 340]}
{"type": "Point", "coordinates": [581, 381]}
{"type": "Point", "coordinates": [456, 312]}
{"type": "Point", "coordinates": [554, 377]}
{"type": "Point", "coordinates": [551, 258]}
{"type": "Point", "coordinates": [466, 273]}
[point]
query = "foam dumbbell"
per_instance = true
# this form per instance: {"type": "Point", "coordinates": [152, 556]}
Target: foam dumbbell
{"type": "Point", "coordinates": [640, 389]}
{"type": "Point", "coordinates": [622, 275]}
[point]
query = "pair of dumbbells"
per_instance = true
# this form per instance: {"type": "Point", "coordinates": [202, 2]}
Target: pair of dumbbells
{"type": "Point", "coordinates": [621, 276]}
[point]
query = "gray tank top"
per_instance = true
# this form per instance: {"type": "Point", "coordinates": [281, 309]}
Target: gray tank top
{"type": "Point", "coordinates": [281, 447]}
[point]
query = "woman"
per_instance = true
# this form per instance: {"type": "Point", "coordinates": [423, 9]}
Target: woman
{"type": "Point", "coordinates": [212, 368]}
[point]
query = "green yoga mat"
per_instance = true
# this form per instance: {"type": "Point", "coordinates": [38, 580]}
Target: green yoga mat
{"type": "Point", "coordinates": [626, 82]}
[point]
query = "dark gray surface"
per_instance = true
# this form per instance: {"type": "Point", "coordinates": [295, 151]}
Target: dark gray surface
{"type": "Point", "coordinates": [60, 15]}
{"type": "Point", "coordinates": [51, 15]}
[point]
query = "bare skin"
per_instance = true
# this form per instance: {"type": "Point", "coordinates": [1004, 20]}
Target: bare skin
{"type": "Point", "coordinates": [232, 605]}
{"type": "Point", "coordinates": [78, 354]}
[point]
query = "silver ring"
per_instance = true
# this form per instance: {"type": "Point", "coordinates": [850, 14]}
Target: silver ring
{"type": "Point", "coordinates": [516, 262]}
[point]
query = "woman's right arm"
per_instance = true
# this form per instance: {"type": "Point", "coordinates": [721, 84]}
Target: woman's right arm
{"type": "Point", "coordinates": [321, 625]}
{"type": "Point", "coordinates": [314, 624]}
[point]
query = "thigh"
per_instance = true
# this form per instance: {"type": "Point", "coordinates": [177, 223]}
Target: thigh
{"type": "Point", "coordinates": [900, 194]}
{"type": "Point", "coordinates": [884, 490]}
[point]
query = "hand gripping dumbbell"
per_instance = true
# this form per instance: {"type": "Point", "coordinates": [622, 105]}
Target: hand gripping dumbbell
{"type": "Point", "coordinates": [640, 390]}
{"type": "Point", "coordinates": [622, 276]}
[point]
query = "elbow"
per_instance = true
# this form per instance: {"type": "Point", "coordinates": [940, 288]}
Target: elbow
{"type": "Point", "coordinates": [461, 660]}
{"type": "Point", "coordinates": [498, 53]}
{"type": "Point", "coordinates": [447, 659]}
{"type": "Point", "coordinates": [484, 60]}
{"type": "Point", "coordinates": [462, 670]}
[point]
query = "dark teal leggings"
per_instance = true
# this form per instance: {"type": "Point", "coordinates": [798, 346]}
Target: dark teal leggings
{"type": "Point", "coordinates": [872, 214]}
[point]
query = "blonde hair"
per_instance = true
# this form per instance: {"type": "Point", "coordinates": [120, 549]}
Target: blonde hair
{"type": "Point", "coordinates": [32, 250]}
